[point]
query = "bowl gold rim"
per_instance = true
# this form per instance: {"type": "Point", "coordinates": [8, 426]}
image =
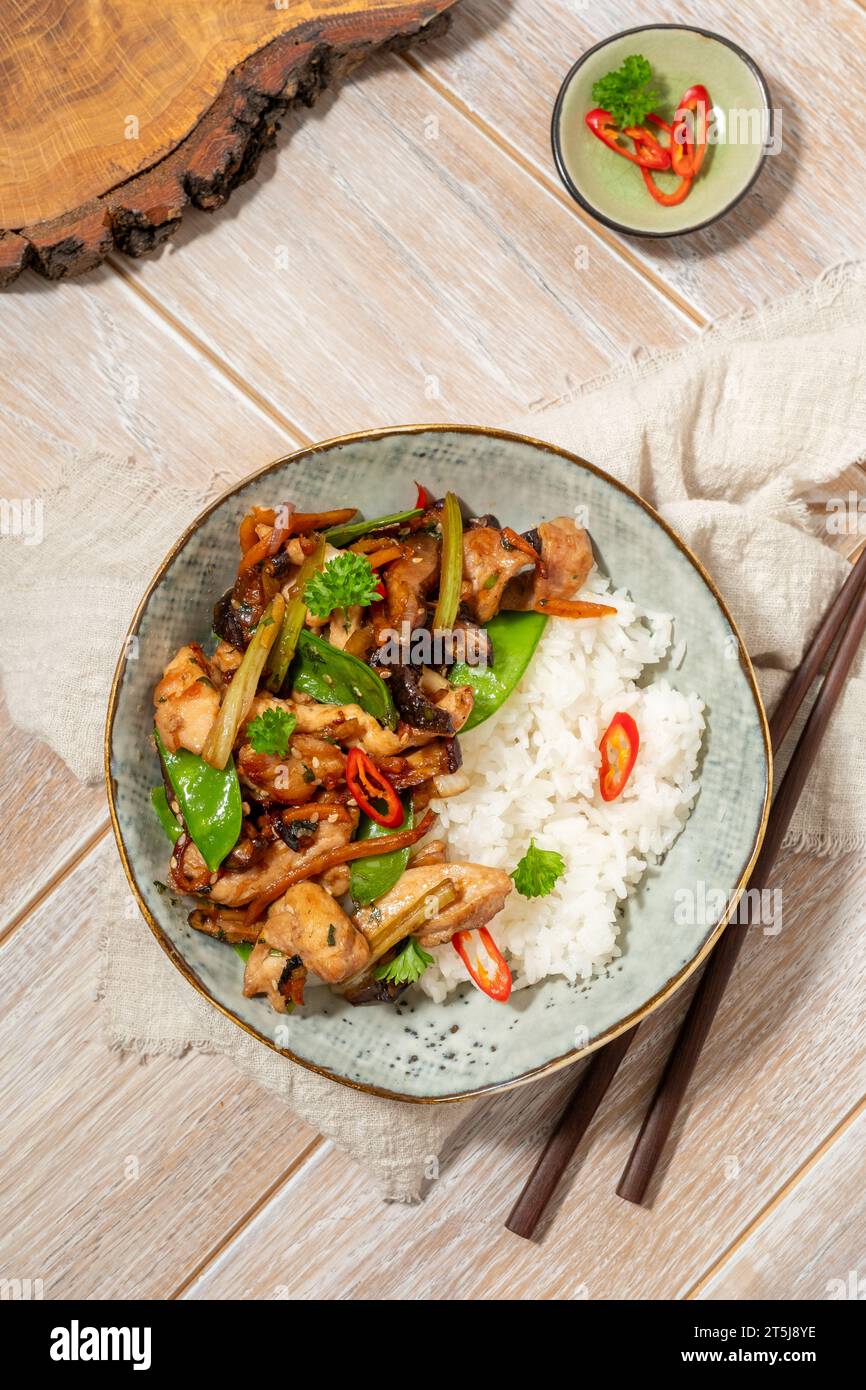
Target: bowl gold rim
{"type": "Point", "coordinates": [574, 1054]}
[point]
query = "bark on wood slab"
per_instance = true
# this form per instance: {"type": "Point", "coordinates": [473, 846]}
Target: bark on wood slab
{"type": "Point", "coordinates": [117, 116]}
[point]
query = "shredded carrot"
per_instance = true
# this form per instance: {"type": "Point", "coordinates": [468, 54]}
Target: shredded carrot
{"type": "Point", "coordinates": [385, 556]}
{"type": "Point", "coordinates": [356, 849]}
{"type": "Point", "coordinates": [571, 608]}
{"type": "Point", "coordinates": [257, 516]}
{"type": "Point", "coordinates": [517, 542]}
{"type": "Point", "coordinates": [265, 548]}
{"type": "Point", "coordinates": [300, 522]}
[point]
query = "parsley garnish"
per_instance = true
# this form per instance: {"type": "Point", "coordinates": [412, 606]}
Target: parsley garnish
{"type": "Point", "coordinates": [271, 731]}
{"type": "Point", "coordinates": [407, 965]}
{"type": "Point", "coordinates": [347, 580]}
{"type": "Point", "coordinates": [623, 92]}
{"type": "Point", "coordinates": [537, 871]}
{"type": "Point", "coordinates": [332, 935]}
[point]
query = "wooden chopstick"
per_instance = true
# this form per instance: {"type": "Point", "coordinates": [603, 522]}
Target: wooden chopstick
{"type": "Point", "coordinates": [570, 1129]}
{"type": "Point", "coordinates": [603, 1065]}
{"type": "Point", "coordinates": [686, 1050]}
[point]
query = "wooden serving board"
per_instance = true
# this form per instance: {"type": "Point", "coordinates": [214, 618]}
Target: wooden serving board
{"type": "Point", "coordinates": [116, 116]}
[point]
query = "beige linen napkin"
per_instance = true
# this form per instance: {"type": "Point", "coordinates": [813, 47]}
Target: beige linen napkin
{"type": "Point", "coordinates": [727, 438]}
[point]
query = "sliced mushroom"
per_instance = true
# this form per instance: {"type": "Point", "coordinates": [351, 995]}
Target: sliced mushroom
{"type": "Point", "coordinates": [435, 759]}
{"type": "Point", "coordinates": [414, 706]}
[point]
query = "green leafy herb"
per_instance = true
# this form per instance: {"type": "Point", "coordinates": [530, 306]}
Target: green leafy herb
{"type": "Point", "coordinates": [270, 731]}
{"type": "Point", "coordinates": [407, 965]}
{"type": "Point", "coordinates": [538, 871]}
{"type": "Point", "coordinates": [348, 579]}
{"type": "Point", "coordinates": [332, 935]}
{"type": "Point", "coordinates": [624, 93]}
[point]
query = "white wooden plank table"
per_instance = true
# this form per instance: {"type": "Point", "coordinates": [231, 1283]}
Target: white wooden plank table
{"type": "Point", "coordinates": [409, 255]}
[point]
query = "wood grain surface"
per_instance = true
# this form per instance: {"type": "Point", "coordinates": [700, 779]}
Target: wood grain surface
{"type": "Point", "coordinates": [798, 220]}
{"type": "Point", "coordinates": [102, 153]}
{"type": "Point", "coordinates": [413, 258]}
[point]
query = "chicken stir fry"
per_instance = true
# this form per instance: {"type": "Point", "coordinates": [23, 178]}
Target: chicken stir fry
{"type": "Point", "coordinates": [300, 758]}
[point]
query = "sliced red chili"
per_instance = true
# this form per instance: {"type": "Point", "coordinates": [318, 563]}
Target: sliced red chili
{"type": "Point", "coordinates": [619, 748]}
{"type": "Point", "coordinates": [484, 961]}
{"type": "Point", "coordinates": [371, 789]}
{"type": "Point", "coordinates": [667, 200]}
{"type": "Point", "coordinates": [425, 497]}
{"type": "Point", "coordinates": [689, 138]}
{"type": "Point", "coordinates": [649, 154]}
{"type": "Point", "coordinates": [657, 120]}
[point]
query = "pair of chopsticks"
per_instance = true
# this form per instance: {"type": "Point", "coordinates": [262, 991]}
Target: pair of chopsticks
{"type": "Point", "coordinates": [845, 619]}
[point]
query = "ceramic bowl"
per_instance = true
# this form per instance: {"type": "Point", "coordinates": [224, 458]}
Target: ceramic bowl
{"type": "Point", "coordinates": [418, 1050]}
{"type": "Point", "coordinates": [611, 188]}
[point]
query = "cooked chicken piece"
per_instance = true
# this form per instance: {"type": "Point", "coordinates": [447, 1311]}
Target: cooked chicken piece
{"type": "Point", "coordinates": [344, 625]}
{"type": "Point", "coordinates": [336, 881]}
{"type": "Point", "coordinates": [306, 921]}
{"type": "Point", "coordinates": [250, 847]}
{"type": "Point", "coordinates": [370, 735]}
{"type": "Point", "coordinates": [239, 887]}
{"type": "Point", "coordinates": [186, 700]}
{"type": "Point", "coordinates": [431, 852]}
{"type": "Point", "coordinates": [566, 552]}
{"type": "Point", "coordinates": [226, 660]}
{"type": "Point", "coordinates": [310, 763]}
{"type": "Point", "coordinates": [270, 971]}
{"type": "Point", "coordinates": [481, 894]}
{"type": "Point", "coordinates": [488, 564]}
{"type": "Point", "coordinates": [410, 579]}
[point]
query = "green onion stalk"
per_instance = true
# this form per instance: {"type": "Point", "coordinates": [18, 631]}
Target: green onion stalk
{"type": "Point", "coordinates": [294, 618]}
{"type": "Point", "coordinates": [383, 935]}
{"type": "Point", "coordinates": [242, 691]}
{"type": "Point", "coordinates": [451, 576]}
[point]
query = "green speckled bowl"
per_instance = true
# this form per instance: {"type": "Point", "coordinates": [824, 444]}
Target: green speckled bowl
{"type": "Point", "coordinates": [611, 188]}
{"type": "Point", "coordinates": [418, 1050]}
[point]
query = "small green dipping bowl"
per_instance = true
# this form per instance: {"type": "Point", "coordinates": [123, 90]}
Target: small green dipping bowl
{"type": "Point", "coordinates": [611, 188]}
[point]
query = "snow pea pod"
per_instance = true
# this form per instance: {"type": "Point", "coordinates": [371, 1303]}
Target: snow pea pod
{"type": "Point", "coordinates": [168, 821]}
{"type": "Point", "coordinates": [370, 878]}
{"type": "Point", "coordinates": [514, 637]}
{"type": "Point", "coordinates": [209, 799]}
{"type": "Point", "coordinates": [334, 677]}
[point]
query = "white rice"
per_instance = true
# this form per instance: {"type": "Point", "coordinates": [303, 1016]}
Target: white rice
{"type": "Point", "coordinates": [533, 770]}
